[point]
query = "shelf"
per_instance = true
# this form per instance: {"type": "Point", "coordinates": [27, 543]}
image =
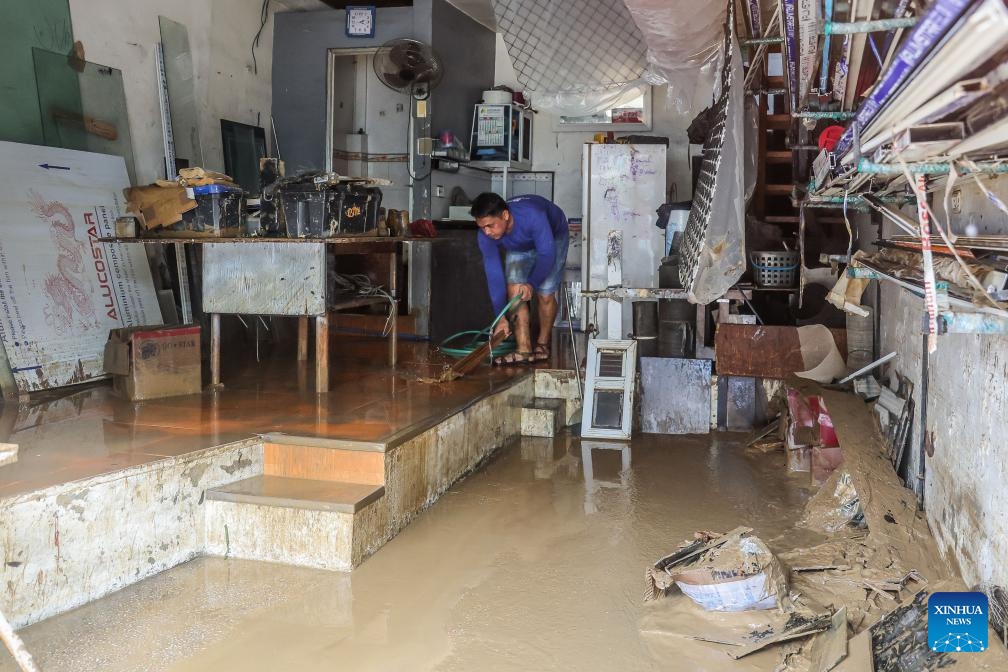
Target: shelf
{"type": "Point", "coordinates": [362, 240]}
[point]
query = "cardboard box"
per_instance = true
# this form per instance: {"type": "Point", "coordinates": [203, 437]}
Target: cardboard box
{"type": "Point", "coordinates": [154, 361]}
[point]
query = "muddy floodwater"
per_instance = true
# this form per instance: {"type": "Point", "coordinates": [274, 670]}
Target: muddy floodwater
{"type": "Point", "coordinates": [534, 562]}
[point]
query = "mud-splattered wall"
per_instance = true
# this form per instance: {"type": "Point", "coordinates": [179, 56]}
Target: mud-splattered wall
{"type": "Point", "coordinates": [123, 34]}
{"type": "Point", "coordinates": [965, 497]}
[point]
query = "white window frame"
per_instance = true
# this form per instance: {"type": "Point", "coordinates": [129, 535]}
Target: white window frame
{"type": "Point", "coordinates": [561, 127]}
{"type": "Point", "coordinates": [624, 382]}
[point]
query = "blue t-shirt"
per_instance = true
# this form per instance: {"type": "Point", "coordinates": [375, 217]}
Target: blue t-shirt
{"type": "Point", "coordinates": [538, 222]}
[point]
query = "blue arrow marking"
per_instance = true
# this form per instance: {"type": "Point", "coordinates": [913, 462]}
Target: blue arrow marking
{"type": "Point", "coordinates": [51, 167]}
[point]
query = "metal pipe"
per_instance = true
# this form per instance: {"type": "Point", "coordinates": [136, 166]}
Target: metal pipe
{"type": "Point", "coordinates": [840, 115]}
{"type": "Point", "coordinates": [923, 424]}
{"type": "Point", "coordinates": [755, 41]}
{"type": "Point", "coordinates": [930, 168]}
{"type": "Point", "coordinates": [877, 26]}
{"type": "Point", "coordinates": [16, 646]}
{"type": "Point", "coordinates": [824, 68]}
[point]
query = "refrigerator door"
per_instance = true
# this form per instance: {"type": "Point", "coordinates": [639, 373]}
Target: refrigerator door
{"type": "Point", "coordinates": [623, 187]}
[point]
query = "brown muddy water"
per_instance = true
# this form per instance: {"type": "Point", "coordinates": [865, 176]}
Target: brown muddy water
{"type": "Point", "coordinates": [534, 562]}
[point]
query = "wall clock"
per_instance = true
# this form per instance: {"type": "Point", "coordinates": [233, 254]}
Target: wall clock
{"type": "Point", "coordinates": [360, 21]}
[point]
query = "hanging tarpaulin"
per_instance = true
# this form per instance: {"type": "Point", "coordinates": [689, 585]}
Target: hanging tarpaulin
{"type": "Point", "coordinates": [808, 33]}
{"type": "Point", "coordinates": [684, 40]}
{"type": "Point", "coordinates": [713, 252]}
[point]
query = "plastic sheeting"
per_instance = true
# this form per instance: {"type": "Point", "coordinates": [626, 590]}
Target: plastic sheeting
{"type": "Point", "coordinates": [713, 255]}
{"type": "Point", "coordinates": [589, 101]}
{"type": "Point", "coordinates": [684, 39]}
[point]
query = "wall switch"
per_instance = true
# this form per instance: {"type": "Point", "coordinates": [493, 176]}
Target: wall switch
{"type": "Point", "coordinates": [439, 191]}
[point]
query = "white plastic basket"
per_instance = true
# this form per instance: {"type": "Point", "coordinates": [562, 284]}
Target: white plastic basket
{"type": "Point", "coordinates": [775, 269]}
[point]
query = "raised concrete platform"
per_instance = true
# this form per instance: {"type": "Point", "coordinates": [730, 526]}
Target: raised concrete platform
{"type": "Point", "coordinates": [73, 542]}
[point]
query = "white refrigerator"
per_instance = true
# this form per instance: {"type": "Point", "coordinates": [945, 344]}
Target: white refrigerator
{"type": "Point", "coordinates": [623, 187]}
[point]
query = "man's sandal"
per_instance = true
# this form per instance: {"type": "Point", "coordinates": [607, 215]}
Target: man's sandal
{"type": "Point", "coordinates": [541, 352]}
{"type": "Point", "coordinates": [514, 359]}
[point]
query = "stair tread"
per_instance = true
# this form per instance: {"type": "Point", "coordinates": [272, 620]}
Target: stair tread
{"type": "Point", "coordinates": [778, 155]}
{"type": "Point", "coordinates": [779, 188]}
{"type": "Point", "coordinates": [299, 493]}
{"type": "Point", "coordinates": [781, 219]}
{"type": "Point", "coordinates": [775, 81]}
{"type": "Point", "coordinates": [778, 121]}
{"type": "Point", "coordinates": [547, 404]}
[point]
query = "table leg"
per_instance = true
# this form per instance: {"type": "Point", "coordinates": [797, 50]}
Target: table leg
{"type": "Point", "coordinates": [302, 338]}
{"type": "Point", "coordinates": [394, 335]}
{"type": "Point", "coordinates": [215, 350]}
{"type": "Point", "coordinates": [321, 354]}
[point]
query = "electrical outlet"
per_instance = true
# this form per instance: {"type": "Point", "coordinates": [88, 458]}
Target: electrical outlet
{"type": "Point", "coordinates": [955, 200]}
{"type": "Point", "coordinates": [439, 191]}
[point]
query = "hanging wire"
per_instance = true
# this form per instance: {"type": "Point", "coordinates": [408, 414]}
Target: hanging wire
{"type": "Point", "coordinates": [361, 284]}
{"type": "Point", "coordinates": [263, 16]}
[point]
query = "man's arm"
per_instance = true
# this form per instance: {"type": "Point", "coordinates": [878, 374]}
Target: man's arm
{"type": "Point", "coordinates": [494, 269]}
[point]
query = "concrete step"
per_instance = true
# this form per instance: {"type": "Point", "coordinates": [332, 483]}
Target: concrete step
{"type": "Point", "coordinates": [299, 493]}
{"type": "Point", "coordinates": [323, 460]}
{"type": "Point", "coordinates": [295, 521]}
{"type": "Point", "coordinates": [560, 384]}
{"type": "Point", "coordinates": [543, 417]}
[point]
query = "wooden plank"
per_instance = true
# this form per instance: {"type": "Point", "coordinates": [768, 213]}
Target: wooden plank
{"type": "Point", "coordinates": [779, 189]}
{"type": "Point", "coordinates": [778, 121]}
{"type": "Point", "coordinates": [779, 156]}
{"type": "Point", "coordinates": [394, 326]}
{"type": "Point", "coordinates": [321, 354]}
{"type": "Point", "coordinates": [324, 464]}
{"type": "Point", "coordinates": [215, 343]}
{"type": "Point", "coordinates": [762, 351]}
{"type": "Point", "coordinates": [302, 351]}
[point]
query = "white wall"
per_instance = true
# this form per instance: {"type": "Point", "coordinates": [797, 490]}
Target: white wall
{"type": "Point", "coordinates": [561, 151]}
{"type": "Point", "coordinates": [965, 498]}
{"type": "Point", "coordinates": [122, 35]}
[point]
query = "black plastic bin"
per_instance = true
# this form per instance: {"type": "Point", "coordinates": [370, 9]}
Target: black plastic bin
{"type": "Point", "coordinates": [330, 210]}
{"type": "Point", "coordinates": [219, 212]}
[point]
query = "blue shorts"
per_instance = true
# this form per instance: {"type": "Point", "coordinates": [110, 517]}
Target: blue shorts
{"type": "Point", "coordinates": [518, 266]}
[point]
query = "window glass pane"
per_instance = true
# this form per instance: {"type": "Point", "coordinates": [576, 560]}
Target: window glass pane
{"type": "Point", "coordinates": [610, 364]}
{"type": "Point", "coordinates": [630, 113]}
{"type": "Point", "coordinates": [608, 412]}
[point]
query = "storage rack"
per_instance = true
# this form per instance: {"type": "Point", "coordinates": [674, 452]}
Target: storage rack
{"type": "Point", "coordinates": [934, 67]}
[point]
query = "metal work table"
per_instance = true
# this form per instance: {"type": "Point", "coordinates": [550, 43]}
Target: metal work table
{"type": "Point", "coordinates": [286, 277]}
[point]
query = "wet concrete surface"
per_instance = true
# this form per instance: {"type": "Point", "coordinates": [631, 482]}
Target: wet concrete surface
{"type": "Point", "coordinates": [532, 563]}
{"type": "Point", "coordinates": [90, 431]}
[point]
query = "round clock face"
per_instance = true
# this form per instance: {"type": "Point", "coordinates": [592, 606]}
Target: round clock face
{"type": "Point", "coordinates": [360, 22]}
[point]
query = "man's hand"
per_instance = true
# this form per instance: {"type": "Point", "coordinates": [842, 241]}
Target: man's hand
{"type": "Point", "coordinates": [503, 326]}
{"type": "Point", "coordinates": [525, 291]}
